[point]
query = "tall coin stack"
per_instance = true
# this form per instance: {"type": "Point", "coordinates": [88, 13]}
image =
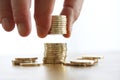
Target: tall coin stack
{"type": "Point", "coordinates": [55, 53]}
{"type": "Point", "coordinates": [58, 25]}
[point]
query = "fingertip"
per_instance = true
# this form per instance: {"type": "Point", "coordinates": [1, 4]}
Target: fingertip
{"type": "Point", "coordinates": [69, 30]}
{"type": "Point", "coordinates": [8, 24]}
{"type": "Point", "coordinates": [41, 35]}
{"type": "Point", "coordinates": [42, 31]}
{"type": "Point", "coordinates": [43, 23]}
{"type": "Point", "coordinates": [66, 35]}
{"type": "Point", "coordinates": [23, 30]}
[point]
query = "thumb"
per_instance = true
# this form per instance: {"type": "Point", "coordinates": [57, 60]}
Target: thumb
{"type": "Point", "coordinates": [72, 10]}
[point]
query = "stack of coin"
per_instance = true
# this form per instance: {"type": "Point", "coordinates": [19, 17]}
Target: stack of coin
{"type": "Point", "coordinates": [91, 57]}
{"type": "Point", "coordinates": [25, 61]}
{"type": "Point", "coordinates": [58, 25]}
{"type": "Point", "coordinates": [55, 53]}
{"type": "Point", "coordinates": [86, 60]}
{"type": "Point", "coordinates": [80, 63]}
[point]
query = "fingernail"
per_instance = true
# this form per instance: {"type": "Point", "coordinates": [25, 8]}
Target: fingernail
{"type": "Point", "coordinates": [21, 29]}
{"type": "Point", "coordinates": [5, 23]}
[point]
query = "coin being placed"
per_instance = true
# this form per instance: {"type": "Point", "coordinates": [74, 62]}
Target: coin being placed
{"type": "Point", "coordinates": [58, 17]}
{"type": "Point", "coordinates": [58, 24]}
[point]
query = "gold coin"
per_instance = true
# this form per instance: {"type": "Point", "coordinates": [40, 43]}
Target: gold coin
{"type": "Point", "coordinates": [92, 57]}
{"type": "Point", "coordinates": [32, 58]}
{"type": "Point", "coordinates": [29, 64]}
{"type": "Point", "coordinates": [83, 62]}
{"type": "Point", "coordinates": [58, 16]}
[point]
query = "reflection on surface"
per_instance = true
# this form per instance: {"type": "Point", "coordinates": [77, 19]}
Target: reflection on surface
{"type": "Point", "coordinates": [55, 71]}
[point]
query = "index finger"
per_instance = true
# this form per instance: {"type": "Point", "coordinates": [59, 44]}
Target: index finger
{"type": "Point", "coordinates": [42, 15]}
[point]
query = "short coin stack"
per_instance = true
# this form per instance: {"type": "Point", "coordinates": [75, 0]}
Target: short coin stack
{"type": "Point", "coordinates": [84, 61]}
{"type": "Point", "coordinates": [58, 25]}
{"type": "Point", "coordinates": [55, 53]}
{"type": "Point", "coordinates": [25, 61]}
{"type": "Point", "coordinates": [91, 57]}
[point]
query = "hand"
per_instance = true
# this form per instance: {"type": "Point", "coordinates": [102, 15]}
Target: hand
{"type": "Point", "coordinates": [18, 12]}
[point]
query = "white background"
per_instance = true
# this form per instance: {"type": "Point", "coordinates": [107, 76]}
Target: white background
{"type": "Point", "coordinates": [96, 30]}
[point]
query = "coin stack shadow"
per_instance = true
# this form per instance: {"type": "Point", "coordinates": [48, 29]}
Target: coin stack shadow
{"type": "Point", "coordinates": [55, 53]}
{"type": "Point", "coordinates": [58, 25]}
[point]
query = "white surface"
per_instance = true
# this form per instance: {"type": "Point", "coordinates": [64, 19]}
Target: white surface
{"type": "Point", "coordinates": [96, 30]}
{"type": "Point", "coordinates": [107, 69]}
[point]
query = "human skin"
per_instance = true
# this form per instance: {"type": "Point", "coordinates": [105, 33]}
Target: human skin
{"type": "Point", "coordinates": [18, 12]}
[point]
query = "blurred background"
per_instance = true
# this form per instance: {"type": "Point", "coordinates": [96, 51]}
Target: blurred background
{"type": "Point", "coordinates": [97, 30]}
